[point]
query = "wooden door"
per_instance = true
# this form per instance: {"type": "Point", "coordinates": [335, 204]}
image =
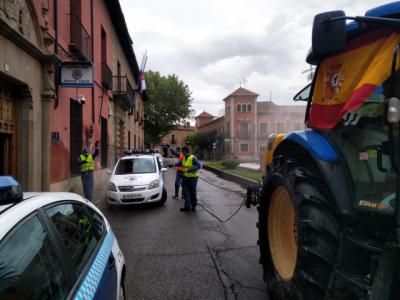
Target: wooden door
{"type": "Point", "coordinates": [8, 157]}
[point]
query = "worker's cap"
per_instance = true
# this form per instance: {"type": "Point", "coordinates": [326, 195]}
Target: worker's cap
{"type": "Point", "coordinates": [85, 150]}
{"type": "Point", "coordinates": [185, 149]}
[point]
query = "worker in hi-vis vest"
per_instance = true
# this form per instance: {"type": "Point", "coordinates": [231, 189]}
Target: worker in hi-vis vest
{"type": "Point", "coordinates": [86, 161]}
{"type": "Point", "coordinates": [191, 171]}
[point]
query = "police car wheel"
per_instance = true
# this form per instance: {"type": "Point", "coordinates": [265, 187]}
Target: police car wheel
{"type": "Point", "coordinates": [122, 292]}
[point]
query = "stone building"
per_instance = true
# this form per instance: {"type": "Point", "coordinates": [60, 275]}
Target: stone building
{"type": "Point", "coordinates": [27, 90]}
{"type": "Point", "coordinates": [177, 137]}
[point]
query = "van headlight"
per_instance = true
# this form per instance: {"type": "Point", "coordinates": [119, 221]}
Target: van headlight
{"type": "Point", "coordinates": [112, 187]}
{"type": "Point", "coordinates": [154, 184]}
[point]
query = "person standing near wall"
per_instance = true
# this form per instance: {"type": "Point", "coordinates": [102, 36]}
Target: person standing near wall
{"type": "Point", "coordinates": [86, 161]}
{"type": "Point", "coordinates": [191, 171]}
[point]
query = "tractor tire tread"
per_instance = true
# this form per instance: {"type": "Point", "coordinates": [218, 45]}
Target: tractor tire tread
{"type": "Point", "coordinates": [317, 230]}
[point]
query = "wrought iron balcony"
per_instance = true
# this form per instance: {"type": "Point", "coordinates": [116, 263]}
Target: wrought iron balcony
{"type": "Point", "coordinates": [122, 90]}
{"type": "Point", "coordinates": [106, 77]}
{"type": "Point", "coordinates": [80, 40]}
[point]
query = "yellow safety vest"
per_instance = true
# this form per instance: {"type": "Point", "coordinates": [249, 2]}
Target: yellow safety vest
{"type": "Point", "coordinates": [187, 163]}
{"type": "Point", "coordinates": [89, 164]}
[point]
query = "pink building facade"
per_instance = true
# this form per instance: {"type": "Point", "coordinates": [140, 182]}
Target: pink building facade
{"type": "Point", "coordinates": [51, 122]}
{"type": "Point", "coordinates": [247, 123]}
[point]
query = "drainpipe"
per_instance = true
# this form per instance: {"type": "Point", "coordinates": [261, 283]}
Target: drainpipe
{"type": "Point", "coordinates": [56, 76]}
{"type": "Point", "coordinates": [91, 34]}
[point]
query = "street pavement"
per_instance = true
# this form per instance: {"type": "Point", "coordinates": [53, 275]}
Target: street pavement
{"type": "Point", "coordinates": [177, 255]}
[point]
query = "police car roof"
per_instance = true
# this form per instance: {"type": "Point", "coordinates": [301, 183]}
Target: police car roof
{"type": "Point", "coordinates": [11, 214]}
{"type": "Point", "coordinates": [142, 155]}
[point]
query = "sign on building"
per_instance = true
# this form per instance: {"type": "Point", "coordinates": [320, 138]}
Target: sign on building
{"type": "Point", "coordinates": [76, 74]}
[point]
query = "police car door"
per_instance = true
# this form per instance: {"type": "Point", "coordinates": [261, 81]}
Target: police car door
{"type": "Point", "coordinates": [88, 246]}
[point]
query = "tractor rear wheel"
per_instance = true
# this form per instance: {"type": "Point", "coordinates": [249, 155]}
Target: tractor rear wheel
{"type": "Point", "coordinates": [298, 231]}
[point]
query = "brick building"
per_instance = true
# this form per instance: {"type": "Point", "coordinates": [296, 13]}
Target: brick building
{"type": "Point", "coordinates": [243, 131]}
{"type": "Point", "coordinates": [43, 124]}
{"type": "Point", "coordinates": [214, 129]}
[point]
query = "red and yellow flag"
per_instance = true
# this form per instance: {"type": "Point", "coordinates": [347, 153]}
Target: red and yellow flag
{"type": "Point", "coordinates": [346, 80]}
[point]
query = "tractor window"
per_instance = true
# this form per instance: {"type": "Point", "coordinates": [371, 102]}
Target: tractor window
{"type": "Point", "coordinates": [304, 94]}
{"type": "Point", "coordinates": [367, 147]}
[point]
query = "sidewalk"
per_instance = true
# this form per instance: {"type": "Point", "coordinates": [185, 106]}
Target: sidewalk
{"type": "Point", "coordinates": [250, 166]}
{"type": "Point", "coordinates": [99, 192]}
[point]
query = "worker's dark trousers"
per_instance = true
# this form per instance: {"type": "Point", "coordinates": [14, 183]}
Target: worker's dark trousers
{"type": "Point", "coordinates": [189, 186]}
{"type": "Point", "coordinates": [88, 184]}
{"type": "Point", "coordinates": [178, 182]}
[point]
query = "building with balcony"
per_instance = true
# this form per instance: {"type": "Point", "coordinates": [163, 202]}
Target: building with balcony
{"type": "Point", "coordinates": [111, 114]}
{"type": "Point", "coordinates": [43, 124]}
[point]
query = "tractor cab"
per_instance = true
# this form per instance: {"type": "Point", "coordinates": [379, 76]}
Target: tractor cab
{"type": "Point", "coordinates": [329, 206]}
{"type": "Point", "coordinates": [354, 100]}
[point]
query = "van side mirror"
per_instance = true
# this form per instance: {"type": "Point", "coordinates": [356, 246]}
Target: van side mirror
{"type": "Point", "coordinates": [328, 35]}
{"type": "Point", "coordinates": [164, 169]}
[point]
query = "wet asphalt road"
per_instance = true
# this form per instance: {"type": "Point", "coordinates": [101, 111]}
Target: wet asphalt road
{"type": "Point", "coordinates": [176, 255]}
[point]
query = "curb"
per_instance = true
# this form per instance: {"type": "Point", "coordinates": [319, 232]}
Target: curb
{"type": "Point", "coordinates": [242, 181]}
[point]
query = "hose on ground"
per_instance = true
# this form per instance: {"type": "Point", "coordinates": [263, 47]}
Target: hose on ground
{"type": "Point", "coordinates": [228, 190]}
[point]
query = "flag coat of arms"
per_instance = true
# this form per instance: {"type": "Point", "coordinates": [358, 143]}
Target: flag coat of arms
{"type": "Point", "coordinates": [344, 81]}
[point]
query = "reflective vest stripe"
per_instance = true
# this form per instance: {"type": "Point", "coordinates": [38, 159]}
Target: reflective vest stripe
{"type": "Point", "coordinates": [88, 164]}
{"type": "Point", "coordinates": [187, 164]}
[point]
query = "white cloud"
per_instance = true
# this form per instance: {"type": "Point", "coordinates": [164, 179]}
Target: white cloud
{"type": "Point", "coordinates": [212, 45]}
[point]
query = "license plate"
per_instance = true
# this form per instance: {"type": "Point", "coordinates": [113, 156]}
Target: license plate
{"type": "Point", "coordinates": [132, 196]}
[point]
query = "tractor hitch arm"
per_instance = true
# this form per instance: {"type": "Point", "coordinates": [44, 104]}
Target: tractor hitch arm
{"type": "Point", "coordinates": [253, 195]}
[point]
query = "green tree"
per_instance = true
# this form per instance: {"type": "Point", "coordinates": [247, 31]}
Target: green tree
{"type": "Point", "coordinates": [168, 105]}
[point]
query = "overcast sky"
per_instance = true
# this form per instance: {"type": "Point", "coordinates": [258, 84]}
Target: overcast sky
{"type": "Point", "coordinates": [212, 45]}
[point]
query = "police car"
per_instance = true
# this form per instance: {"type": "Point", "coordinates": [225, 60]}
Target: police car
{"type": "Point", "coordinates": [56, 246]}
{"type": "Point", "coordinates": [137, 178]}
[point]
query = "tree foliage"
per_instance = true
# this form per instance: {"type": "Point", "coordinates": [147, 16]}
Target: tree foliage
{"type": "Point", "coordinates": [202, 142]}
{"type": "Point", "coordinates": [168, 105]}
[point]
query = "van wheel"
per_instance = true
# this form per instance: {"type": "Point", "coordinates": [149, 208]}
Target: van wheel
{"type": "Point", "coordinates": [122, 292]}
{"type": "Point", "coordinates": [108, 205]}
{"type": "Point", "coordinates": [163, 197]}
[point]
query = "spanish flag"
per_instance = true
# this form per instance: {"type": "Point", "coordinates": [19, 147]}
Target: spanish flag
{"type": "Point", "coordinates": [346, 80]}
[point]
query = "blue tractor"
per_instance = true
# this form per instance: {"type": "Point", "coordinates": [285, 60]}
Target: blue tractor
{"type": "Point", "coordinates": [329, 205]}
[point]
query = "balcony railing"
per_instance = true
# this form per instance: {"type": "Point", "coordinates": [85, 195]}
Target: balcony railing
{"type": "Point", "coordinates": [123, 91]}
{"type": "Point", "coordinates": [81, 41]}
{"type": "Point", "coordinates": [106, 77]}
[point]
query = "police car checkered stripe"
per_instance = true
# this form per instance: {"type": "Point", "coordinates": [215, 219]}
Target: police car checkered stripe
{"type": "Point", "coordinates": [89, 285]}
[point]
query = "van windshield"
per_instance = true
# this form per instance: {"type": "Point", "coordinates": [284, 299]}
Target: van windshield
{"type": "Point", "coordinates": [135, 166]}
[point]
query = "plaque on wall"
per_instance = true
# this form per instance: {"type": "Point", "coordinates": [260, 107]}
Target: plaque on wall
{"type": "Point", "coordinates": [76, 74]}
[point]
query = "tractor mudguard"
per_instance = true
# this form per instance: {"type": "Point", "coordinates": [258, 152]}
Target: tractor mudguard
{"type": "Point", "coordinates": [328, 160]}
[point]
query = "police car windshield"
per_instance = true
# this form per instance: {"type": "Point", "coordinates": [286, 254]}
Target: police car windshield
{"type": "Point", "coordinates": [135, 166]}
